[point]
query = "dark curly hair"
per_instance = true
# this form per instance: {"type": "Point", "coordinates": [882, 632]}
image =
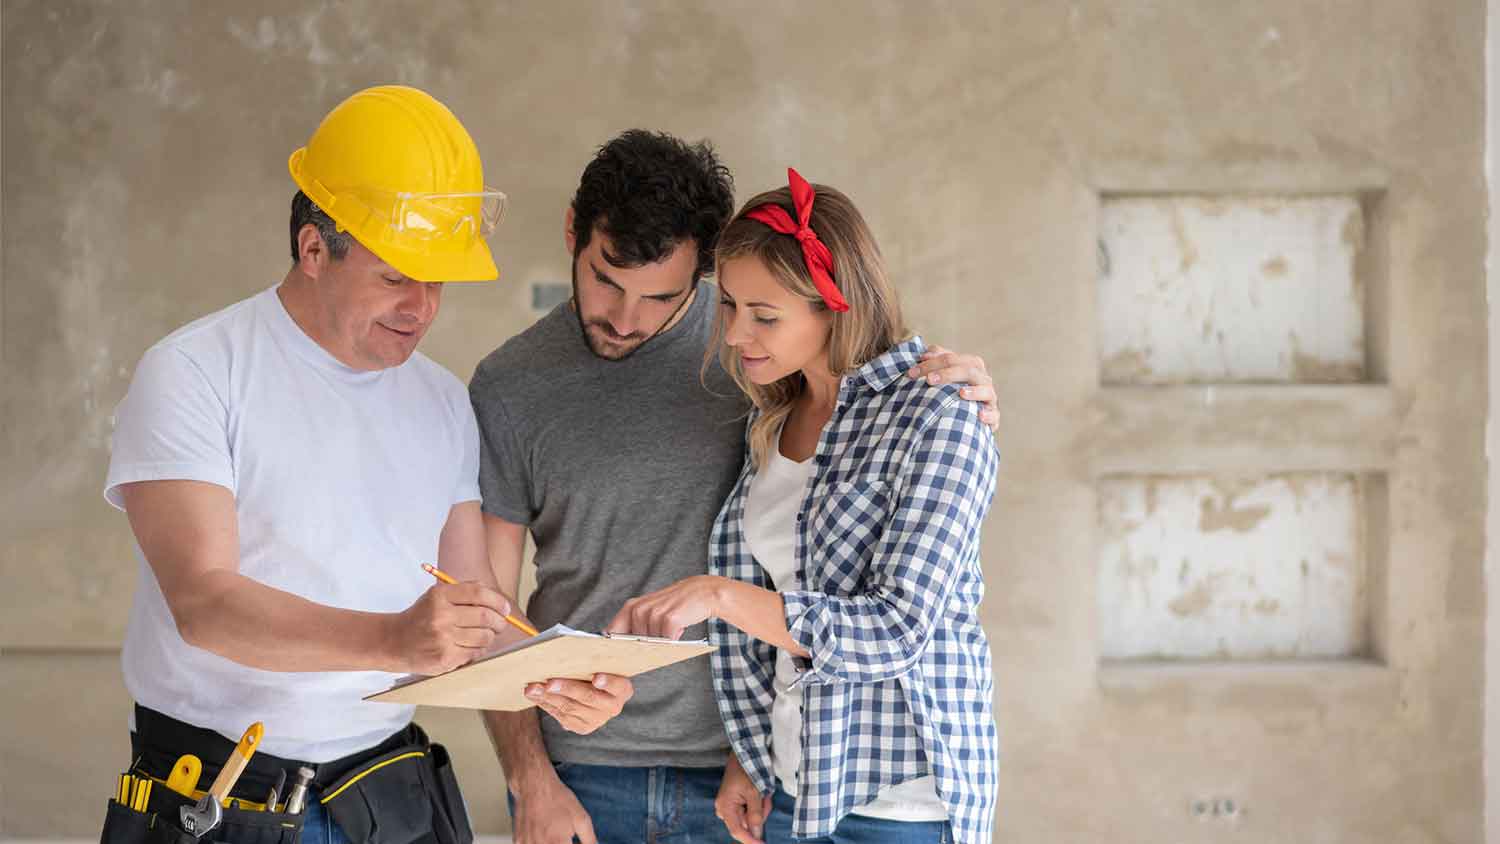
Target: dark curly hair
{"type": "Point", "coordinates": [648, 192]}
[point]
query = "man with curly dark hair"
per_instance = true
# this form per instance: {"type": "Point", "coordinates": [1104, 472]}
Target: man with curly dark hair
{"type": "Point", "coordinates": [644, 195]}
{"type": "Point", "coordinates": [616, 453]}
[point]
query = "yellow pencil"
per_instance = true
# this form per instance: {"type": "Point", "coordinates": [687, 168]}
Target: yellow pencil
{"type": "Point", "coordinates": [448, 579]}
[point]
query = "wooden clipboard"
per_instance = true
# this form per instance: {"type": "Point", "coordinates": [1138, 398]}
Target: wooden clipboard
{"type": "Point", "coordinates": [498, 681]}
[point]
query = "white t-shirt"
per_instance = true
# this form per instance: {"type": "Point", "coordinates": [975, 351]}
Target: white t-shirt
{"type": "Point", "coordinates": [776, 494]}
{"type": "Point", "coordinates": [342, 482]}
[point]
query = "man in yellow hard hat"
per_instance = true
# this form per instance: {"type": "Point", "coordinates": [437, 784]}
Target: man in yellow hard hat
{"type": "Point", "coordinates": [287, 464]}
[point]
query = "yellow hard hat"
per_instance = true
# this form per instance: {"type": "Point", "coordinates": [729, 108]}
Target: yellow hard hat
{"type": "Point", "coordinates": [394, 168]}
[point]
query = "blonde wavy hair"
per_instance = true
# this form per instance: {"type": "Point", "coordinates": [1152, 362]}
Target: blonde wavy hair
{"type": "Point", "coordinates": [870, 327]}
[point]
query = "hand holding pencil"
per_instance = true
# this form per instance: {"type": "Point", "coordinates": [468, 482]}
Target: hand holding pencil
{"type": "Point", "coordinates": [579, 706]}
{"type": "Point", "coordinates": [450, 625]}
{"type": "Point", "coordinates": [448, 579]}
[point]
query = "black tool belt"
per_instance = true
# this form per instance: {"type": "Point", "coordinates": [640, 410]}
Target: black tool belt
{"type": "Point", "coordinates": [401, 791]}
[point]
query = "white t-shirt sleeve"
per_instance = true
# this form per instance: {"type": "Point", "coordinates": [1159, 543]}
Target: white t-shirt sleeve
{"type": "Point", "coordinates": [468, 477]}
{"type": "Point", "coordinates": [171, 425]}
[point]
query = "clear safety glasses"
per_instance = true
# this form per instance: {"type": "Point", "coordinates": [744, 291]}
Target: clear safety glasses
{"type": "Point", "coordinates": [425, 222]}
{"type": "Point", "coordinates": [460, 217]}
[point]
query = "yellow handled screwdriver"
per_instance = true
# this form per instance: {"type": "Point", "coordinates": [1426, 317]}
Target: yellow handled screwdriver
{"type": "Point", "coordinates": [184, 776]}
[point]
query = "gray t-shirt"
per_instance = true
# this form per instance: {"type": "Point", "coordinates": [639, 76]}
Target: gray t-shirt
{"type": "Point", "coordinates": [619, 469]}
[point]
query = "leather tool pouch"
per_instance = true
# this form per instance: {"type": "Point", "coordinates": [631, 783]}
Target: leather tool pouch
{"type": "Point", "coordinates": [407, 795]}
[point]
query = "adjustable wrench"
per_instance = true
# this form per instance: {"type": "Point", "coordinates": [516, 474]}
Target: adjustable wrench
{"type": "Point", "coordinates": [198, 819]}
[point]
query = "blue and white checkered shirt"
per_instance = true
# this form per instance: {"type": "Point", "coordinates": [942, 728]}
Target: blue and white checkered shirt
{"type": "Point", "coordinates": [899, 683]}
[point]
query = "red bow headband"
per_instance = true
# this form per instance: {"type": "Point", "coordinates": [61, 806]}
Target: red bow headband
{"type": "Point", "coordinates": [819, 259]}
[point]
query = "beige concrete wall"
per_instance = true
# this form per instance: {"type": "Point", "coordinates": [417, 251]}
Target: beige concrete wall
{"type": "Point", "coordinates": [1492, 432]}
{"type": "Point", "coordinates": [144, 183]}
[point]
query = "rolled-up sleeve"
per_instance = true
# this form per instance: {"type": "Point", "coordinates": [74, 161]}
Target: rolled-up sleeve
{"type": "Point", "coordinates": [942, 495]}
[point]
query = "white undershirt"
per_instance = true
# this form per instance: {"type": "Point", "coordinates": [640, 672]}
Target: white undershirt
{"type": "Point", "coordinates": [776, 494]}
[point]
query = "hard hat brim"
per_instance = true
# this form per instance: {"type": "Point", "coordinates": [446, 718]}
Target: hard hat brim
{"type": "Point", "coordinates": [474, 265]}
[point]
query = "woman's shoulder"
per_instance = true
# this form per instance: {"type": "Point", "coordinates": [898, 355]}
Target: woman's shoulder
{"type": "Point", "coordinates": [914, 405]}
{"type": "Point", "coordinates": [905, 402]}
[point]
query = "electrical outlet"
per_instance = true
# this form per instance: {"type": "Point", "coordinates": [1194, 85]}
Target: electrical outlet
{"type": "Point", "coordinates": [1205, 809]}
{"type": "Point", "coordinates": [546, 295]}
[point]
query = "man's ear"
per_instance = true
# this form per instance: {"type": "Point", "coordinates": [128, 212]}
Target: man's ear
{"type": "Point", "coordinates": [570, 238]}
{"type": "Point", "coordinates": [312, 252]}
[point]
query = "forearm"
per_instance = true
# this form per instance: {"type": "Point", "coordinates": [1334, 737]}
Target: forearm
{"type": "Point", "coordinates": [516, 736]}
{"type": "Point", "coordinates": [758, 612]}
{"type": "Point", "coordinates": [517, 739]}
{"type": "Point", "coordinates": [253, 624]}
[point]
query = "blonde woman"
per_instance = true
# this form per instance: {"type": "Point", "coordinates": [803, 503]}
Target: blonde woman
{"type": "Point", "coordinates": [852, 672]}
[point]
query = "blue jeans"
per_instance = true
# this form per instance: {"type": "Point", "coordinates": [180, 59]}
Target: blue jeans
{"type": "Point", "coordinates": [651, 805]}
{"type": "Point", "coordinates": [854, 829]}
{"type": "Point", "coordinates": [318, 828]}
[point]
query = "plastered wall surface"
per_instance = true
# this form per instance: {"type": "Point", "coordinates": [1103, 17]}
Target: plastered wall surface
{"type": "Point", "coordinates": [144, 183]}
{"type": "Point", "coordinates": [1492, 434]}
